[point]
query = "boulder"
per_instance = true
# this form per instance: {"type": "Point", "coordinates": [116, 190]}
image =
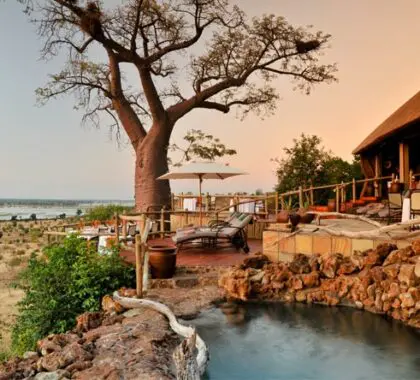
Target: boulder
{"type": "Point", "coordinates": [399, 256]}
{"type": "Point", "coordinates": [257, 261]}
{"type": "Point", "coordinates": [310, 280]}
{"type": "Point", "coordinates": [406, 274]}
{"type": "Point", "coordinates": [391, 271]}
{"type": "Point", "coordinates": [330, 264]}
{"type": "Point", "coordinates": [300, 264]}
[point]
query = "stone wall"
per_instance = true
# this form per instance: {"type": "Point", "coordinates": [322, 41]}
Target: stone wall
{"type": "Point", "coordinates": [385, 280]}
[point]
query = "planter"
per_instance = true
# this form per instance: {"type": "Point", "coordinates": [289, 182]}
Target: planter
{"type": "Point", "coordinates": [294, 220]}
{"type": "Point", "coordinates": [282, 216]}
{"type": "Point", "coordinates": [305, 218]}
{"type": "Point", "coordinates": [162, 259]}
{"type": "Point", "coordinates": [319, 208]}
{"type": "Point", "coordinates": [396, 187]}
{"type": "Point", "coordinates": [331, 205]}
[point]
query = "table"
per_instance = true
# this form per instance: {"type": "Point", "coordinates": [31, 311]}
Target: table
{"type": "Point", "coordinates": [406, 210]}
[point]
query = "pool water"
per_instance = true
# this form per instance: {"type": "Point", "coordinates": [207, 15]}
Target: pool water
{"type": "Point", "coordinates": [302, 342]}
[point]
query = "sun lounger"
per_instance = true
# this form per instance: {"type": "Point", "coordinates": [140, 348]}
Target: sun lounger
{"type": "Point", "coordinates": [231, 231]}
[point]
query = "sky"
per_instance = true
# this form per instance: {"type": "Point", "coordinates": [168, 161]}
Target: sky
{"type": "Point", "coordinates": [45, 153]}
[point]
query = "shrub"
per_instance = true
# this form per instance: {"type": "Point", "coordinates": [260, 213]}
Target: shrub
{"type": "Point", "coordinates": [105, 212]}
{"type": "Point", "coordinates": [65, 281]}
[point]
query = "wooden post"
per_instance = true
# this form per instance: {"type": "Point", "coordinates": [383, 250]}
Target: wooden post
{"type": "Point", "coordinates": [300, 197]}
{"type": "Point", "coordinates": [139, 267]}
{"type": "Point", "coordinates": [172, 201]}
{"type": "Point", "coordinates": [185, 218]}
{"type": "Point", "coordinates": [124, 229]}
{"type": "Point", "coordinates": [265, 204]}
{"type": "Point", "coordinates": [337, 199]}
{"type": "Point", "coordinates": [404, 163]}
{"type": "Point", "coordinates": [311, 195]}
{"type": "Point", "coordinates": [354, 189]}
{"type": "Point", "coordinates": [117, 231]}
{"type": "Point", "coordinates": [162, 223]}
{"type": "Point", "coordinates": [377, 175]}
{"type": "Point", "coordinates": [276, 203]}
{"type": "Point", "coordinates": [282, 201]}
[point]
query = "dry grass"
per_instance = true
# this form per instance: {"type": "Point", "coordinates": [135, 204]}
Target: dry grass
{"type": "Point", "coordinates": [18, 242]}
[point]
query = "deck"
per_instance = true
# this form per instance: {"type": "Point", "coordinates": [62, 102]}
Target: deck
{"type": "Point", "coordinates": [204, 257]}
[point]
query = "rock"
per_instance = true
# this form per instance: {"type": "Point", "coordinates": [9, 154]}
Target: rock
{"type": "Point", "coordinates": [132, 312]}
{"type": "Point", "coordinates": [50, 362]}
{"type": "Point", "coordinates": [295, 283]}
{"type": "Point", "coordinates": [79, 366]}
{"type": "Point", "coordinates": [300, 296]}
{"type": "Point", "coordinates": [417, 270]}
{"type": "Point", "coordinates": [88, 321]}
{"type": "Point", "coordinates": [310, 280]}
{"type": "Point", "coordinates": [377, 274]}
{"type": "Point", "coordinates": [330, 264]}
{"type": "Point", "coordinates": [416, 247]}
{"type": "Point", "coordinates": [30, 355]}
{"type": "Point", "coordinates": [391, 271]}
{"type": "Point", "coordinates": [110, 306]}
{"type": "Point", "coordinates": [347, 267]}
{"type": "Point", "coordinates": [72, 353]}
{"type": "Point", "coordinates": [399, 256]}
{"type": "Point", "coordinates": [256, 262]}
{"type": "Point", "coordinates": [300, 264]}
{"type": "Point", "coordinates": [407, 300]}
{"type": "Point", "coordinates": [257, 277]}
{"type": "Point", "coordinates": [406, 274]}
{"type": "Point", "coordinates": [56, 375]}
{"type": "Point", "coordinates": [127, 292]}
{"type": "Point", "coordinates": [394, 290]}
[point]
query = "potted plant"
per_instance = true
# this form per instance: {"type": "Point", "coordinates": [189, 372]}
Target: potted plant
{"type": "Point", "coordinates": [305, 217]}
{"type": "Point", "coordinates": [283, 215]}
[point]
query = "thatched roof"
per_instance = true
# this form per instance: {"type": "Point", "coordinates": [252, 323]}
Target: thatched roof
{"type": "Point", "coordinates": [403, 116]}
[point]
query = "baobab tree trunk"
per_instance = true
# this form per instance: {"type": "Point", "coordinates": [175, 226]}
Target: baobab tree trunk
{"type": "Point", "coordinates": [152, 162]}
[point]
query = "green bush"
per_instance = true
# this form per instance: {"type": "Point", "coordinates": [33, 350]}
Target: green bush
{"type": "Point", "coordinates": [67, 280]}
{"type": "Point", "coordinates": [105, 212]}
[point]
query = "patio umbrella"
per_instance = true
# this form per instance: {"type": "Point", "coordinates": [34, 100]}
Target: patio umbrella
{"type": "Point", "coordinates": [201, 171]}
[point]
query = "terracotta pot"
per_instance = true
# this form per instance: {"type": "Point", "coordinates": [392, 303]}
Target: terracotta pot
{"type": "Point", "coordinates": [282, 216]}
{"type": "Point", "coordinates": [306, 218]}
{"type": "Point", "coordinates": [331, 205]}
{"type": "Point", "coordinates": [396, 187]}
{"type": "Point", "coordinates": [162, 259]}
{"type": "Point", "coordinates": [294, 219]}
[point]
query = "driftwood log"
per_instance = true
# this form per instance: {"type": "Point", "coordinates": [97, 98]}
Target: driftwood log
{"type": "Point", "coordinates": [186, 367]}
{"type": "Point", "coordinates": [374, 233]}
{"type": "Point", "coordinates": [185, 359]}
{"type": "Point", "coordinates": [320, 215]}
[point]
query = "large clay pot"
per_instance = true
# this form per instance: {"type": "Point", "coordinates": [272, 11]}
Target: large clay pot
{"type": "Point", "coordinates": [306, 218]}
{"type": "Point", "coordinates": [162, 259]}
{"type": "Point", "coordinates": [331, 205]}
{"type": "Point", "coordinates": [396, 187]}
{"type": "Point", "coordinates": [282, 216]}
{"type": "Point", "coordinates": [294, 220]}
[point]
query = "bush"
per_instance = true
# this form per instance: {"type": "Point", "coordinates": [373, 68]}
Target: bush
{"type": "Point", "coordinates": [67, 280]}
{"type": "Point", "coordinates": [104, 213]}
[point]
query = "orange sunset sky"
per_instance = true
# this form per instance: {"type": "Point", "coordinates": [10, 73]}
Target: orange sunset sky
{"type": "Point", "coordinates": [45, 153]}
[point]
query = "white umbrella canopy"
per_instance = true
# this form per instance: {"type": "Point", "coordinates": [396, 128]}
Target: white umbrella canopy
{"type": "Point", "coordinates": [203, 170]}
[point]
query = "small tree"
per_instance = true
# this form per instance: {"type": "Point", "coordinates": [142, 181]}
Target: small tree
{"type": "Point", "coordinates": [308, 162]}
{"type": "Point", "coordinates": [200, 146]}
{"type": "Point", "coordinates": [66, 281]}
{"type": "Point", "coordinates": [238, 64]}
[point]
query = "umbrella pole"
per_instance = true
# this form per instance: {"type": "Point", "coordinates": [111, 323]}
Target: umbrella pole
{"type": "Point", "coordinates": [200, 180]}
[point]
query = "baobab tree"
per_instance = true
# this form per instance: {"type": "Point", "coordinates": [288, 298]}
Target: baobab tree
{"type": "Point", "coordinates": [185, 55]}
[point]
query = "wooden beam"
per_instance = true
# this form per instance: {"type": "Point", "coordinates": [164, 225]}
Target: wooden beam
{"type": "Point", "coordinates": [404, 163]}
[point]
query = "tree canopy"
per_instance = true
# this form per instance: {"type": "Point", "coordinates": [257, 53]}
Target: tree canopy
{"type": "Point", "coordinates": [307, 162]}
{"type": "Point", "coordinates": [200, 145]}
{"type": "Point", "coordinates": [146, 63]}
